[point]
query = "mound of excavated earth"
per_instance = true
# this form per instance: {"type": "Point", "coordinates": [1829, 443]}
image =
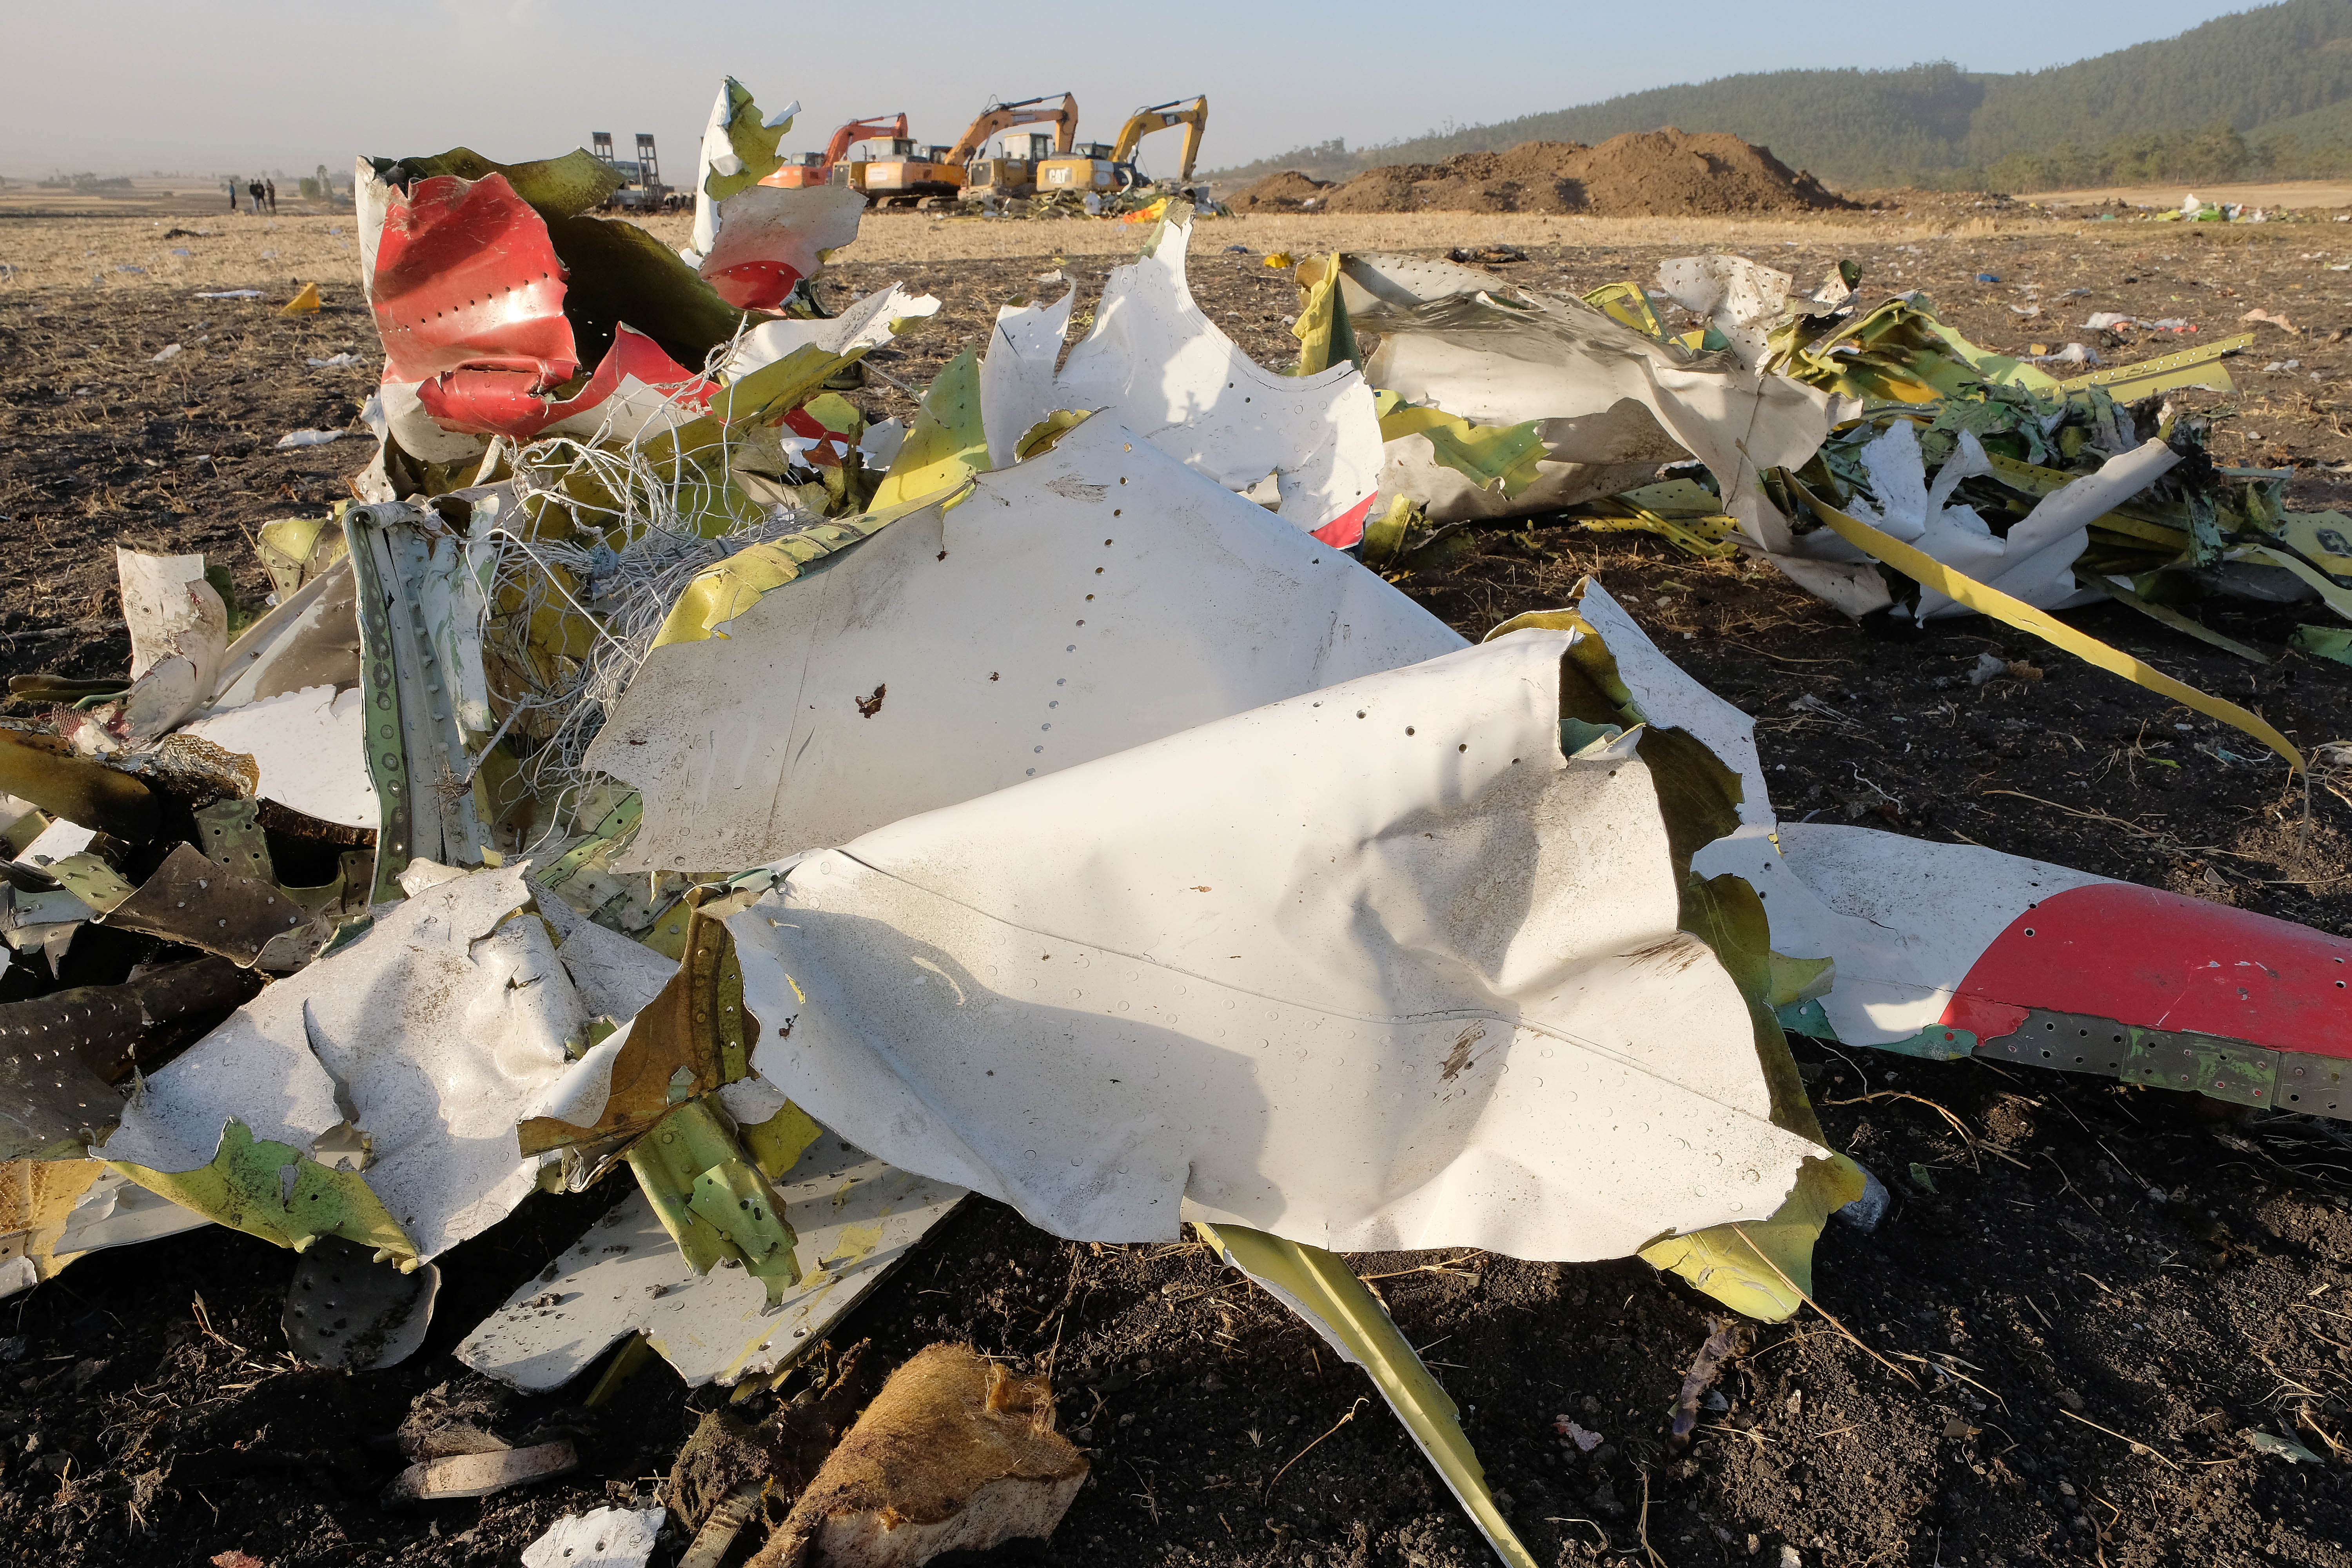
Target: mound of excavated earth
{"type": "Point", "coordinates": [1651, 173]}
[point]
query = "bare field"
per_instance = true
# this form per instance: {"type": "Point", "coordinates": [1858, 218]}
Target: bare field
{"type": "Point", "coordinates": [183, 196]}
{"type": "Point", "coordinates": [107, 251]}
{"type": "Point", "coordinates": [2289, 193]}
{"type": "Point", "coordinates": [918, 236]}
{"type": "Point", "coordinates": [223, 251]}
{"type": "Point", "coordinates": [2180, 1283]}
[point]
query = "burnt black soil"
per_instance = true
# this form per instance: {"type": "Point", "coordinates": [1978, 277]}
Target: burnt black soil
{"type": "Point", "coordinates": [2091, 1291]}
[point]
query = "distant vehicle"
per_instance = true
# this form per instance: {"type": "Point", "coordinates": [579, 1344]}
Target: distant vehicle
{"type": "Point", "coordinates": [642, 190]}
{"type": "Point", "coordinates": [803, 169]}
{"type": "Point", "coordinates": [1103, 170]}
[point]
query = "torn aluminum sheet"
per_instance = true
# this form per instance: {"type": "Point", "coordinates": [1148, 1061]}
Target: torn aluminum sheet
{"type": "Point", "coordinates": [60, 840]}
{"type": "Point", "coordinates": [1739, 299]}
{"type": "Point", "coordinates": [1608, 404]}
{"type": "Point", "coordinates": [405, 563]}
{"type": "Point", "coordinates": [434, 1029]}
{"type": "Point", "coordinates": [1452, 1006]}
{"type": "Point", "coordinates": [635, 385]}
{"type": "Point", "coordinates": [36, 1198]}
{"type": "Point", "coordinates": [50, 1100]}
{"type": "Point", "coordinates": [601, 1538]}
{"type": "Point", "coordinates": [309, 638]}
{"type": "Point", "coordinates": [1036, 626]}
{"type": "Point", "coordinates": [54, 1211]}
{"type": "Point", "coordinates": [72, 790]}
{"type": "Point", "coordinates": [343, 1309]}
{"type": "Point", "coordinates": [466, 285]}
{"type": "Point", "coordinates": [1156, 364]}
{"type": "Point", "coordinates": [1946, 949]}
{"type": "Point", "coordinates": [491, 295]}
{"type": "Point", "coordinates": [101, 1025]}
{"type": "Point", "coordinates": [769, 237]}
{"type": "Point", "coordinates": [866, 323]}
{"type": "Point", "coordinates": [738, 151]}
{"type": "Point", "coordinates": [195, 901]}
{"type": "Point", "coordinates": [2048, 966]}
{"type": "Point", "coordinates": [636, 388]}
{"type": "Point", "coordinates": [2033, 562]}
{"type": "Point", "coordinates": [856, 1219]}
{"type": "Point", "coordinates": [1016, 373]}
{"type": "Point", "coordinates": [616, 978]}
{"type": "Point", "coordinates": [311, 747]}
{"type": "Point", "coordinates": [178, 634]}
{"type": "Point", "coordinates": [117, 1212]}
{"type": "Point", "coordinates": [1371, 284]}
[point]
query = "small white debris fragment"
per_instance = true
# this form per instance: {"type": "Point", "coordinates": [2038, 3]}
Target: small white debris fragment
{"type": "Point", "coordinates": [170, 351]}
{"type": "Point", "coordinates": [309, 437]}
{"type": "Point", "coordinates": [479, 1475]}
{"type": "Point", "coordinates": [601, 1538]}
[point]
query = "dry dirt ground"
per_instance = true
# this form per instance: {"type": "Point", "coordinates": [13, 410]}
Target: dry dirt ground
{"type": "Point", "coordinates": [2091, 1292]}
{"type": "Point", "coordinates": [2309, 195]}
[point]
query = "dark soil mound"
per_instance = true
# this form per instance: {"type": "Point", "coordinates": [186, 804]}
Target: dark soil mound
{"type": "Point", "coordinates": [1287, 192]}
{"type": "Point", "coordinates": [1656, 172]}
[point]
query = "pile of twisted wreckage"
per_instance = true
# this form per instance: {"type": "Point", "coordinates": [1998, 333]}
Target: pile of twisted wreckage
{"type": "Point", "coordinates": [660, 766]}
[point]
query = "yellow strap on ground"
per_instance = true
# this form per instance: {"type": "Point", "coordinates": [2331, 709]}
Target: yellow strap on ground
{"type": "Point", "coordinates": [1320, 1288]}
{"type": "Point", "coordinates": [1921, 567]}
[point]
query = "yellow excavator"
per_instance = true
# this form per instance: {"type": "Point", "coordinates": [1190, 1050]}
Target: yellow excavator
{"type": "Point", "coordinates": [1014, 172]}
{"type": "Point", "coordinates": [1105, 170]}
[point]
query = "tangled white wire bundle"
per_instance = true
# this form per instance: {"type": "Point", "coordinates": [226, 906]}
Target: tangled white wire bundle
{"type": "Point", "coordinates": [631, 561]}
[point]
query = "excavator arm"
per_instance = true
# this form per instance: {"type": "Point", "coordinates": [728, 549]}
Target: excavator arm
{"type": "Point", "coordinates": [858, 131]}
{"type": "Point", "coordinates": [1192, 114]}
{"type": "Point", "coordinates": [998, 117]}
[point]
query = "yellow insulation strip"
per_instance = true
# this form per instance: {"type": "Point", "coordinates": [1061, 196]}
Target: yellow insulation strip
{"type": "Point", "coordinates": [1318, 290]}
{"type": "Point", "coordinates": [1323, 1290]}
{"type": "Point", "coordinates": [1965, 590]}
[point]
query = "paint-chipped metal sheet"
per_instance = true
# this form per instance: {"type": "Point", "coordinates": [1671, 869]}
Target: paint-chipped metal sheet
{"type": "Point", "coordinates": [1056, 616]}
{"type": "Point", "coordinates": [1444, 1002]}
{"type": "Point", "coordinates": [433, 1033]}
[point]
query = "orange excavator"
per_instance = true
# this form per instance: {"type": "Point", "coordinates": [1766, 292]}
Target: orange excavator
{"type": "Point", "coordinates": [801, 168]}
{"type": "Point", "coordinates": [1014, 172]}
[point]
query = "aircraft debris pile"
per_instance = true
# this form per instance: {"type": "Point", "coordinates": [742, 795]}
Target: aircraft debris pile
{"type": "Point", "coordinates": [660, 766]}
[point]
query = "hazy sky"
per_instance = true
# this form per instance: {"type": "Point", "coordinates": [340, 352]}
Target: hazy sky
{"type": "Point", "coordinates": [129, 86]}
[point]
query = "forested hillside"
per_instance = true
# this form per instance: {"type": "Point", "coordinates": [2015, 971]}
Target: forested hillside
{"type": "Point", "coordinates": [2266, 93]}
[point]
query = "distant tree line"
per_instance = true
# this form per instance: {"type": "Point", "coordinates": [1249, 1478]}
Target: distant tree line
{"type": "Point", "coordinates": [2215, 154]}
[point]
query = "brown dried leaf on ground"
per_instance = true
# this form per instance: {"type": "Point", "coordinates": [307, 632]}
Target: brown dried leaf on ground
{"type": "Point", "coordinates": [957, 1452]}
